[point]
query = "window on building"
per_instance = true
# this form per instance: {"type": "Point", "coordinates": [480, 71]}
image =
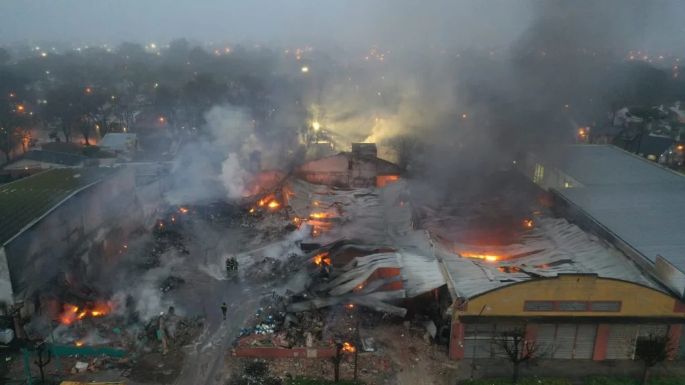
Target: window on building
{"type": "Point", "coordinates": [538, 306]}
{"type": "Point", "coordinates": [613, 306]}
{"type": "Point", "coordinates": [580, 306]}
{"type": "Point", "coordinates": [572, 306]}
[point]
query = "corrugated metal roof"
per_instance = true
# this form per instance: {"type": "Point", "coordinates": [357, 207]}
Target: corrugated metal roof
{"type": "Point", "coordinates": [638, 200]}
{"type": "Point", "coordinates": [25, 200]}
{"type": "Point", "coordinates": [555, 247]}
{"type": "Point", "coordinates": [377, 217]}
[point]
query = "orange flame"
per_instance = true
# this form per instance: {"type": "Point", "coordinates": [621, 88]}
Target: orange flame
{"type": "Point", "coordinates": [273, 205]}
{"type": "Point", "coordinates": [528, 223]}
{"type": "Point", "coordinates": [319, 215]}
{"type": "Point", "coordinates": [350, 306]}
{"type": "Point", "coordinates": [321, 259]}
{"type": "Point", "coordinates": [183, 210]}
{"type": "Point", "coordinates": [73, 313]}
{"type": "Point", "coordinates": [78, 343]}
{"type": "Point", "coordinates": [348, 347]}
{"type": "Point", "coordinates": [486, 257]}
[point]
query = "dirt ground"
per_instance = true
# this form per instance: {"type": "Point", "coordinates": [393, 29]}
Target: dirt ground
{"type": "Point", "coordinates": [402, 357]}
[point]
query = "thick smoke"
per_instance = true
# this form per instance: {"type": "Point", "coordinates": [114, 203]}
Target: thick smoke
{"type": "Point", "coordinates": [213, 166]}
{"type": "Point", "coordinates": [457, 112]}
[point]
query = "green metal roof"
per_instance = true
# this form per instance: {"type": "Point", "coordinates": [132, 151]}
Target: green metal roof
{"type": "Point", "coordinates": [26, 200]}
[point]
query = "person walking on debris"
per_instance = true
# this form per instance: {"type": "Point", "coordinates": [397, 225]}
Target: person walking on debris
{"type": "Point", "coordinates": [224, 309]}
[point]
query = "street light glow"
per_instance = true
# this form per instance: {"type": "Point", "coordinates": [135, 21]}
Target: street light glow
{"type": "Point", "coordinates": [316, 126]}
{"type": "Point", "coordinates": [304, 69]}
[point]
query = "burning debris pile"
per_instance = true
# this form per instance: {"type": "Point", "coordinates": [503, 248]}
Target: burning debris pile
{"type": "Point", "coordinates": [73, 313]}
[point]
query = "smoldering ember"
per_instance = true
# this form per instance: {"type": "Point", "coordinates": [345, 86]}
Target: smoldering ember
{"type": "Point", "coordinates": [379, 192]}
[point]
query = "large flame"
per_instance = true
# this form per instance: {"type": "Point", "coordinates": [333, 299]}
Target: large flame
{"type": "Point", "coordinates": [486, 257]}
{"type": "Point", "coordinates": [72, 313]}
{"type": "Point", "coordinates": [269, 202]}
{"type": "Point", "coordinates": [320, 215]}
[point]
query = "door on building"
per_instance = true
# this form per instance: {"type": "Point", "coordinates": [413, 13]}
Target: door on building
{"type": "Point", "coordinates": [566, 341]}
{"type": "Point", "coordinates": [621, 342]}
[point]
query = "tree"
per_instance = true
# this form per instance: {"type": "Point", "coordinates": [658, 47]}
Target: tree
{"type": "Point", "coordinates": [75, 108]}
{"type": "Point", "coordinates": [651, 350]}
{"type": "Point", "coordinates": [516, 349]}
{"type": "Point", "coordinates": [8, 141]}
{"type": "Point", "coordinates": [41, 360]}
{"type": "Point", "coordinates": [13, 127]}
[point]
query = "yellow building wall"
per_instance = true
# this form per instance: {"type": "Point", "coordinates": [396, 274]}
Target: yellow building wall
{"type": "Point", "coordinates": [636, 300]}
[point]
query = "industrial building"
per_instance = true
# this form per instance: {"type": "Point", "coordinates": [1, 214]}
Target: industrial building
{"type": "Point", "coordinates": [581, 294]}
{"type": "Point", "coordinates": [74, 217]}
{"type": "Point", "coordinates": [359, 168]}
{"type": "Point", "coordinates": [634, 203]}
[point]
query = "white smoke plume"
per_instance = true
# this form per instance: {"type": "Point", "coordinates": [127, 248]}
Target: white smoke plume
{"type": "Point", "coordinates": [213, 165]}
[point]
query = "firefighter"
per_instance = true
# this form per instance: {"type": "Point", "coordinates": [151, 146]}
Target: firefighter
{"type": "Point", "coordinates": [224, 309]}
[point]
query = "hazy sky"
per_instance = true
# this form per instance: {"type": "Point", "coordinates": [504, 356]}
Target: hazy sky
{"type": "Point", "coordinates": [460, 23]}
{"type": "Point", "coordinates": [343, 21]}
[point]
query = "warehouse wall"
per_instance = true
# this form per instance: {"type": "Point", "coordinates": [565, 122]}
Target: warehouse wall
{"type": "Point", "coordinates": [570, 317]}
{"type": "Point", "coordinates": [64, 237]}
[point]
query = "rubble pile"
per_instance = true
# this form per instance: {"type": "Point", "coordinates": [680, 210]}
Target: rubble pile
{"type": "Point", "coordinates": [268, 268]}
{"type": "Point", "coordinates": [304, 328]}
{"type": "Point", "coordinates": [177, 331]}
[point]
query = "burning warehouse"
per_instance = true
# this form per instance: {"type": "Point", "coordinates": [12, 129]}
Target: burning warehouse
{"type": "Point", "coordinates": [61, 228]}
{"type": "Point", "coordinates": [488, 270]}
{"type": "Point", "coordinates": [359, 168]}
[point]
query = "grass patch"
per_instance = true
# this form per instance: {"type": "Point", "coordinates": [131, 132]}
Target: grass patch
{"type": "Point", "coordinates": [522, 381]}
{"type": "Point", "coordinates": [587, 381]}
{"type": "Point", "coordinates": [316, 381]}
{"type": "Point", "coordinates": [632, 381]}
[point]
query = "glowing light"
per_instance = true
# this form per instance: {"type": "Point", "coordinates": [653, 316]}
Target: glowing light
{"type": "Point", "coordinates": [485, 257]}
{"type": "Point", "coordinates": [273, 205]}
{"type": "Point", "coordinates": [20, 108]}
{"type": "Point", "coordinates": [318, 215]}
{"type": "Point", "coordinates": [304, 69]}
{"type": "Point", "coordinates": [89, 90]}
{"type": "Point", "coordinates": [464, 116]}
{"type": "Point", "coordinates": [161, 120]}
{"type": "Point", "coordinates": [44, 54]}
{"type": "Point", "coordinates": [528, 223]}
{"type": "Point", "coordinates": [78, 343]}
{"type": "Point", "coordinates": [348, 347]}
{"type": "Point", "coordinates": [316, 125]}
{"type": "Point", "coordinates": [680, 147]}
{"type": "Point", "coordinates": [350, 306]}
{"type": "Point", "coordinates": [183, 210]}
{"type": "Point", "coordinates": [252, 210]}
{"type": "Point", "coordinates": [321, 259]}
